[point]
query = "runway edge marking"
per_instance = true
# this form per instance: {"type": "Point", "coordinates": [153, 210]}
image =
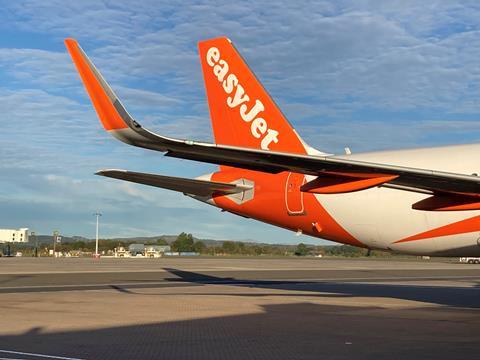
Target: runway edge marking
{"type": "Point", "coordinates": [38, 355]}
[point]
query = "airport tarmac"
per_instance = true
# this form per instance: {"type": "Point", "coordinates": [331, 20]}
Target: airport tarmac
{"type": "Point", "coordinates": [254, 308]}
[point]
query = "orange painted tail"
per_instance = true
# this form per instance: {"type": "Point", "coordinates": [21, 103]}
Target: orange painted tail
{"type": "Point", "coordinates": [241, 110]}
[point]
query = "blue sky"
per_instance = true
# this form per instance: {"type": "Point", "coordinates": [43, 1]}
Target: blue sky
{"type": "Point", "coordinates": [365, 74]}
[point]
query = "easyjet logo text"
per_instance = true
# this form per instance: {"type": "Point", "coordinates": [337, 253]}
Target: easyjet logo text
{"type": "Point", "coordinates": [239, 98]}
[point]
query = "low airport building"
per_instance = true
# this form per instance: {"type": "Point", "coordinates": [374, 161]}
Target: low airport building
{"type": "Point", "coordinates": [142, 250]}
{"type": "Point", "coordinates": [14, 235]}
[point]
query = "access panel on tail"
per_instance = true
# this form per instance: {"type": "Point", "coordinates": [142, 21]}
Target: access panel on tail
{"type": "Point", "coordinates": [242, 112]}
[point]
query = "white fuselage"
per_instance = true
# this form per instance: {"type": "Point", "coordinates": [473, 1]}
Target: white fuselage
{"type": "Point", "coordinates": [380, 217]}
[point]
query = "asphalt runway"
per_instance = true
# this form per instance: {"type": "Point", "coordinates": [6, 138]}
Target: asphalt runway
{"type": "Point", "coordinates": [256, 308]}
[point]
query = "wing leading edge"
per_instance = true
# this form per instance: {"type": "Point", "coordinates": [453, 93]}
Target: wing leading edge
{"type": "Point", "coordinates": [352, 175]}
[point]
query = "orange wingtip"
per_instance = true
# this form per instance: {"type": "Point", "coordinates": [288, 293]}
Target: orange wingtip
{"type": "Point", "coordinates": [70, 42]}
{"type": "Point", "coordinates": [100, 94]}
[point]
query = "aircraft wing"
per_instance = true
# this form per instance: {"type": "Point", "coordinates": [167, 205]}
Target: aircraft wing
{"type": "Point", "coordinates": [405, 178]}
{"type": "Point", "coordinates": [334, 174]}
{"type": "Point", "coordinates": [186, 186]}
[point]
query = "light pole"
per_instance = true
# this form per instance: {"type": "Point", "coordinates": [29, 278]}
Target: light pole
{"type": "Point", "coordinates": [55, 239]}
{"type": "Point", "coordinates": [97, 215]}
{"type": "Point", "coordinates": [35, 254]}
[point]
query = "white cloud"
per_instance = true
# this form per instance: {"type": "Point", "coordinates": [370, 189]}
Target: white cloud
{"type": "Point", "coordinates": [387, 55]}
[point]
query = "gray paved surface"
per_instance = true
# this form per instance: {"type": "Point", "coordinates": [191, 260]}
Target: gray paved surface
{"type": "Point", "coordinates": [239, 309]}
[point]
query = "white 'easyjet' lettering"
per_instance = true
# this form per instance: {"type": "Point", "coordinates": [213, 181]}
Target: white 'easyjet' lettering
{"type": "Point", "coordinates": [238, 97]}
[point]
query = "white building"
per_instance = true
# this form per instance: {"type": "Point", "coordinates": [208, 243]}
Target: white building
{"type": "Point", "coordinates": [12, 235]}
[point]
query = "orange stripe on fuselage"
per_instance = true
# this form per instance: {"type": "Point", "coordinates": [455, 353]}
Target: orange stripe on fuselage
{"type": "Point", "coordinates": [459, 227]}
{"type": "Point", "coordinates": [268, 205]}
{"type": "Point", "coordinates": [107, 113]}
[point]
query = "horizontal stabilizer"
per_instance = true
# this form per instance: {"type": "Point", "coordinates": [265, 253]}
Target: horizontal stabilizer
{"type": "Point", "coordinates": [186, 186]}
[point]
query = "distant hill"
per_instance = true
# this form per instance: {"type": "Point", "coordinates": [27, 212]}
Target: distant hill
{"type": "Point", "coordinates": [47, 239]}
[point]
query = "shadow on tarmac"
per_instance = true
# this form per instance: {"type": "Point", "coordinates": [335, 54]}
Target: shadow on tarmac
{"type": "Point", "coordinates": [285, 331]}
{"type": "Point", "coordinates": [451, 296]}
{"type": "Point", "coordinates": [467, 297]}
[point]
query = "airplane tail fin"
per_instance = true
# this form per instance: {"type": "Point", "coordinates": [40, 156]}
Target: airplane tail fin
{"type": "Point", "coordinates": [242, 112]}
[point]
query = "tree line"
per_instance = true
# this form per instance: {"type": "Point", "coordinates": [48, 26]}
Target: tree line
{"type": "Point", "coordinates": [186, 242]}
